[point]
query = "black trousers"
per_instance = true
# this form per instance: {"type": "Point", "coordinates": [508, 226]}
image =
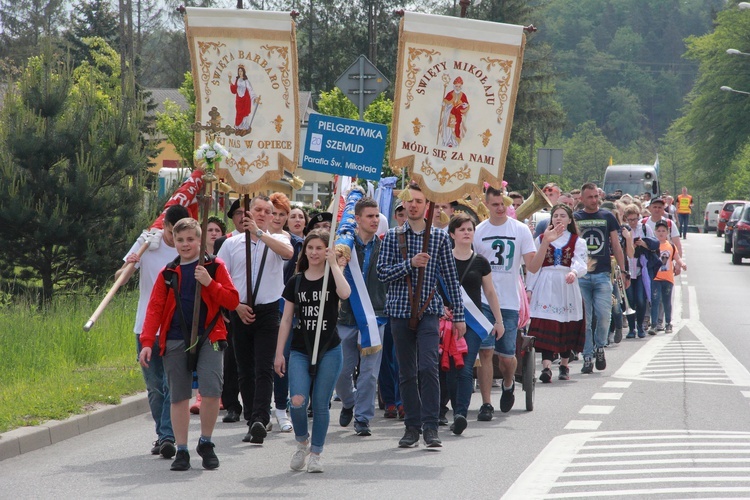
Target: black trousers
{"type": "Point", "coordinates": [255, 350]}
{"type": "Point", "coordinates": [231, 391]}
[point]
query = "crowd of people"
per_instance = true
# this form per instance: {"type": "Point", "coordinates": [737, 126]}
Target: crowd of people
{"type": "Point", "coordinates": [265, 352]}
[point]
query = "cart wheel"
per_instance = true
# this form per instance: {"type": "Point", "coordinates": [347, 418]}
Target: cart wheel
{"type": "Point", "coordinates": [529, 378]}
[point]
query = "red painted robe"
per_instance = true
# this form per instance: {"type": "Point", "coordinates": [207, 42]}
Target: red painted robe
{"type": "Point", "coordinates": [457, 111]}
{"type": "Point", "coordinates": [242, 102]}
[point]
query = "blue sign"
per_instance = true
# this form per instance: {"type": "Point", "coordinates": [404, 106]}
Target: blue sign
{"type": "Point", "coordinates": [344, 147]}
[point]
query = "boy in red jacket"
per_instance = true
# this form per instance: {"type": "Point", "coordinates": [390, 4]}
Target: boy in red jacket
{"type": "Point", "coordinates": [170, 309]}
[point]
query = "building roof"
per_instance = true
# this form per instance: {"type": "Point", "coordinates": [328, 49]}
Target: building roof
{"type": "Point", "coordinates": [158, 96]}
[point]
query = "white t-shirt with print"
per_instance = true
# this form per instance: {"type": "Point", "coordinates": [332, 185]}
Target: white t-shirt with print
{"type": "Point", "coordinates": [150, 265]}
{"type": "Point", "coordinates": [504, 247]}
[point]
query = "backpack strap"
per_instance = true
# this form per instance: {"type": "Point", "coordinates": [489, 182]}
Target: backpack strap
{"type": "Point", "coordinates": [170, 277]}
{"type": "Point", "coordinates": [402, 246]}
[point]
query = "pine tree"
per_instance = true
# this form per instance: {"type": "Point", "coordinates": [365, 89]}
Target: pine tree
{"type": "Point", "coordinates": [91, 18]}
{"type": "Point", "coordinates": [70, 160]}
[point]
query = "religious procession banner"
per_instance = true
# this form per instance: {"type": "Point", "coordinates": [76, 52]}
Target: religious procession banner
{"type": "Point", "coordinates": [244, 67]}
{"type": "Point", "coordinates": [456, 87]}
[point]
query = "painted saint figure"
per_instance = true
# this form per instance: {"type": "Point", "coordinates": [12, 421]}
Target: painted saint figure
{"type": "Point", "coordinates": [244, 100]}
{"type": "Point", "coordinates": [455, 107]}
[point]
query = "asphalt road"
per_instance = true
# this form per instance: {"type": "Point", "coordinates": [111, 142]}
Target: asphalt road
{"type": "Point", "coordinates": [667, 419]}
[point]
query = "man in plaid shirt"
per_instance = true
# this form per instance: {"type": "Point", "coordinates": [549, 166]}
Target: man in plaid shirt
{"type": "Point", "coordinates": [417, 350]}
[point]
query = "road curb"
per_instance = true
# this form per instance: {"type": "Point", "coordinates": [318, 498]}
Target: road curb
{"type": "Point", "coordinates": [25, 439]}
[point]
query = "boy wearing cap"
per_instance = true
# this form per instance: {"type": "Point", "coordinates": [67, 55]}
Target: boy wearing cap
{"type": "Point", "coordinates": [657, 208]}
{"type": "Point", "coordinates": [661, 286]}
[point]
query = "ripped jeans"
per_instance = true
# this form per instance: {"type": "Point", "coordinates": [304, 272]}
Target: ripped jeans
{"type": "Point", "coordinates": [299, 386]}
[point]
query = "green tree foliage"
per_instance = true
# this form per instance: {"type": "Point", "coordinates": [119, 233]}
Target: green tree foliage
{"type": "Point", "coordinates": [335, 103]}
{"type": "Point", "coordinates": [381, 111]}
{"type": "Point", "coordinates": [586, 155]}
{"type": "Point", "coordinates": [175, 123]}
{"type": "Point", "coordinates": [737, 183]}
{"type": "Point", "coordinates": [604, 46]}
{"type": "Point", "coordinates": [715, 122]}
{"type": "Point", "coordinates": [675, 158]}
{"type": "Point", "coordinates": [70, 159]}
{"type": "Point", "coordinates": [25, 24]}
{"type": "Point", "coordinates": [91, 18]}
{"type": "Point", "coordinates": [331, 34]}
{"type": "Point", "coordinates": [623, 122]}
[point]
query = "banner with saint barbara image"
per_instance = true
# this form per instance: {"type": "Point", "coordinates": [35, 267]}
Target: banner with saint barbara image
{"type": "Point", "coordinates": [244, 66]}
{"type": "Point", "coordinates": [456, 86]}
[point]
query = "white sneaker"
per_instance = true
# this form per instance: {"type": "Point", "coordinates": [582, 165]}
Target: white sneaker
{"type": "Point", "coordinates": [315, 464]}
{"type": "Point", "coordinates": [285, 425]}
{"type": "Point", "coordinates": [299, 457]}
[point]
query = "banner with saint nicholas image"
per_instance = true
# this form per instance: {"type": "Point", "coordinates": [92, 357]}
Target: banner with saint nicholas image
{"type": "Point", "coordinates": [244, 66]}
{"type": "Point", "coordinates": [456, 86]}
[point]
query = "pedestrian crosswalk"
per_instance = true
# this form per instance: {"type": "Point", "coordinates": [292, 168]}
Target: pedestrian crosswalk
{"type": "Point", "coordinates": [654, 463]}
{"type": "Point", "coordinates": [691, 355]}
{"type": "Point", "coordinates": [685, 360]}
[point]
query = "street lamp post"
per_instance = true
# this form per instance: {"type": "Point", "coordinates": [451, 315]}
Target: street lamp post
{"type": "Point", "coordinates": [730, 89]}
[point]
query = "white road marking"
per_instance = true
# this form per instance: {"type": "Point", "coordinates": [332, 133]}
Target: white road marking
{"type": "Point", "coordinates": [626, 472]}
{"type": "Point", "coordinates": [583, 425]}
{"type": "Point", "coordinates": [641, 463]}
{"type": "Point", "coordinates": [695, 314]}
{"type": "Point", "coordinates": [596, 410]}
{"type": "Point", "coordinates": [624, 385]}
{"type": "Point", "coordinates": [676, 304]}
{"type": "Point", "coordinates": [746, 393]}
{"type": "Point", "coordinates": [607, 395]}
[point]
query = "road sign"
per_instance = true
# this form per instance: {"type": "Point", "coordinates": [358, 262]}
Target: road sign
{"type": "Point", "coordinates": [362, 82]}
{"type": "Point", "coordinates": [345, 147]}
{"type": "Point", "coordinates": [549, 161]}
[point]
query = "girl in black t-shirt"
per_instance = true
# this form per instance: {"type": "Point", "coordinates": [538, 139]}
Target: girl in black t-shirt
{"type": "Point", "coordinates": [302, 298]}
{"type": "Point", "coordinates": [475, 275]}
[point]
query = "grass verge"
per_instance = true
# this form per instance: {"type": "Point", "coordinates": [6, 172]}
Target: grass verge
{"type": "Point", "coordinates": [51, 369]}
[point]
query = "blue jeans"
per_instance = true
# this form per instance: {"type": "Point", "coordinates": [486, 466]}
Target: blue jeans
{"type": "Point", "coordinates": [506, 346]}
{"type": "Point", "coordinates": [157, 388]}
{"type": "Point", "coordinates": [388, 377]}
{"type": "Point", "coordinates": [460, 381]}
{"type": "Point", "coordinates": [361, 397]}
{"type": "Point", "coordinates": [637, 297]}
{"type": "Point", "coordinates": [596, 290]}
{"type": "Point", "coordinates": [661, 293]}
{"type": "Point", "coordinates": [684, 220]}
{"type": "Point", "coordinates": [417, 353]}
{"type": "Point", "coordinates": [299, 385]}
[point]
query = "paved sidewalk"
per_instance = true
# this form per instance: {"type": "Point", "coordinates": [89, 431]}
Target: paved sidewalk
{"type": "Point", "coordinates": [26, 439]}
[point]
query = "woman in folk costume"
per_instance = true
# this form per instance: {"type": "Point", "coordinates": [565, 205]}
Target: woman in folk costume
{"type": "Point", "coordinates": [245, 97]}
{"type": "Point", "coordinates": [556, 306]}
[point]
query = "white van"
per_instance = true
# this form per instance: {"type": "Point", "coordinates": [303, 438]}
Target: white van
{"type": "Point", "coordinates": [711, 215]}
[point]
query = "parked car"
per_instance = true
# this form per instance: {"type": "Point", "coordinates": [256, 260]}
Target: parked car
{"type": "Point", "coordinates": [741, 237]}
{"type": "Point", "coordinates": [711, 215]}
{"type": "Point", "coordinates": [726, 210]}
{"type": "Point", "coordinates": [729, 226]}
